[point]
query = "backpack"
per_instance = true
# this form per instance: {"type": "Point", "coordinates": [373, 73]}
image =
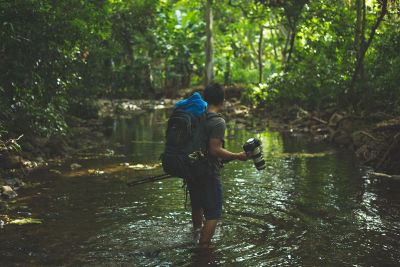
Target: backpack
{"type": "Point", "coordinates": [187, 137]}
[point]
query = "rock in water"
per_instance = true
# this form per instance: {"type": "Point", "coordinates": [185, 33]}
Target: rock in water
{"type": "Point", "coordinates": [15, 182]}
{"type": "Point", "coordinates": [8, 192]}
{"type": "Point", "coordinates": [75, 166]}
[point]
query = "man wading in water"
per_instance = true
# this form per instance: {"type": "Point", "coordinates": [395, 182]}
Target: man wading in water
{"type": "Point", "coordinates": [206, 195]}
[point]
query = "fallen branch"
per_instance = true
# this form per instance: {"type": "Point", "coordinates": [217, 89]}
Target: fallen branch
{"type": "Point", "coordinates": [319, 120]}
{"type": "Point", "coordinates": [384, 175]}
{"type": "Point", "coordinates": [302, 111]}
{"type": "Point", "coordinates": [369, 135]}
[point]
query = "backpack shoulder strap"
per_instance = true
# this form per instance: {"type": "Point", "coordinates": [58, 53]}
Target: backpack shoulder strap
{"type": "Point", "coordinates": [210, 115]}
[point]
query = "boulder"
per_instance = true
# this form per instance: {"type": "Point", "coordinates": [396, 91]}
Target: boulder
{"type": "Point", "coordinates": [40, 160]}
{"type": "Point", "coordinates": [7, 192]}
{"type": "Point", "coordinates": [15, 182]}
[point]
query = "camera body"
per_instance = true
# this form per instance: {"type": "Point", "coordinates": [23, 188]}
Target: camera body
{"type": "Point", "coordinates": [253, 147]}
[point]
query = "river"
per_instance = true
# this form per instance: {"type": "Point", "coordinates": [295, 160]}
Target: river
{"type": "Point", "coordinates": [313, 205]}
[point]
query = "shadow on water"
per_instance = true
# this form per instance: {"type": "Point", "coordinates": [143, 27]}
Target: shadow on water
{"type": "Point", "coordinates": [312, 206]}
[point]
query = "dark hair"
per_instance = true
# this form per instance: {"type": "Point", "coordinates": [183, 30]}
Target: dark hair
{"type": "Point", "coordinates": [214, 94]}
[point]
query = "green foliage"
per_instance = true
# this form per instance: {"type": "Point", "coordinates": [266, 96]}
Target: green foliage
{"type": "Point", "coordinates": [40, 53]}
{"type": "Point", "coordinates": [38, 117]}
{"type": "Point", "coordinates": [260, 95]}
{"type": "Point", "coordinates": [324, 60]}
{"type": "Point", "coordinates": [383, 66]}
{"type": "Point", "coordinates": [58, 56]}
{"type": "Point", "coordinates": [179, 39]}
{"type": "Point", "coordinates": [7, 144]}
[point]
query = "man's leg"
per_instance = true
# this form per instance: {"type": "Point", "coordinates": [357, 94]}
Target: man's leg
{"type": "Point", "coordinates": [212, 210]}
{"type": "Point", "coordinates": [208, 232]}
{"type": "Point", "coordinates": [197, 218]}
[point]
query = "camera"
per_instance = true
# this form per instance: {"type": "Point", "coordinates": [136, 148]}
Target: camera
{"type": "Point", "coordinates": [253, 147]}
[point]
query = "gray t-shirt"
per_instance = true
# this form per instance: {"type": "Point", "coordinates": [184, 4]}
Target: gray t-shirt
{"type": "Point", "coordinates": [216, 129]}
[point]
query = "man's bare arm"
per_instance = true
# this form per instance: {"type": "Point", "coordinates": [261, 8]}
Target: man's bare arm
{"type": "Point", "coordinates": [216, 149]}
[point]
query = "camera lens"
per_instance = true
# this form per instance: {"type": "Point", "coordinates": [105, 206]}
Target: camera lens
{"type": "Point", "coordinates": [254, 148]}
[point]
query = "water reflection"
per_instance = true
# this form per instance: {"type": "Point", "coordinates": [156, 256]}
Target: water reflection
{"type": "Point", "coordinates": [312, 206]}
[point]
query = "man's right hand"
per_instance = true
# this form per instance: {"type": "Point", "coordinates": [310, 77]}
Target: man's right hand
{"type": "Point", "coordinates": [243, 156]}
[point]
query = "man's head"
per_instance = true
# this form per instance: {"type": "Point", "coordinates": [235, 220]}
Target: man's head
{"type": "Point", "coordinates": [214, 94]}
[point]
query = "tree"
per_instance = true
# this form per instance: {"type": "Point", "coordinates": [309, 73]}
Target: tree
{"type": "Point", "coordinates": [209, 64]}
{"type": "Point", "coordinates": [363, 44]}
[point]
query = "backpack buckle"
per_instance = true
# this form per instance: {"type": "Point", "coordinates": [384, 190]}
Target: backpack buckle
{"type": "Point", "coordinates": [196, 155]}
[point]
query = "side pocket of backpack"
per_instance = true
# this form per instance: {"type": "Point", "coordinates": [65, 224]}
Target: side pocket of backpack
{"type": "Point", "coordinates": [174, 165]}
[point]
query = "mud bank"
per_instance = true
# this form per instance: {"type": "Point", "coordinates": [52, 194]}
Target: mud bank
{"type": "Point", "coordinates": [375, 138]}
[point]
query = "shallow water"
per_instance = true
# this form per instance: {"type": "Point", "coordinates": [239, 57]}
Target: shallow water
{"type": "Point", "coordinates": [312, 206]}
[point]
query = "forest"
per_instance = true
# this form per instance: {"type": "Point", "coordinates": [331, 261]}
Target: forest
{"type": "Point", "coordinates": [58, 56]}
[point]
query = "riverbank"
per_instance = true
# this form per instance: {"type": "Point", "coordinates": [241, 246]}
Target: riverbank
{"type": "Point", "coordinates": [84, 133]}
{"type": "Point", "coordinates": [375, 138]}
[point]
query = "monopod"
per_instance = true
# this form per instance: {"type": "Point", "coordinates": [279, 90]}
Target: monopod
{"type": "Point", "coordinates": [149, 179]}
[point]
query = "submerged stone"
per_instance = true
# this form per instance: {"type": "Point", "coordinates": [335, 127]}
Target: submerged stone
{"type": "Point", "coordinates": [75, 166]}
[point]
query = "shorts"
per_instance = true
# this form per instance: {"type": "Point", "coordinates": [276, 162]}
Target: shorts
{"type": "Point", "coordinates": [207, 195]}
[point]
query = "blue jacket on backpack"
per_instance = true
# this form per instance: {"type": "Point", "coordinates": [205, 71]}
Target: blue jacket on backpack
{"type": "Point", "coordinates": [194, 104]}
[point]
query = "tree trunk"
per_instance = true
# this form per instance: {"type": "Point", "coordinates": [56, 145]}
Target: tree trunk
{"type": "Point", "coordinates": [260, 55]}
{"type": "Point", "coordinates": [209, 67]}
{"type": "Point", "coordinates": [274, 40]}
{"type": "Point", "coordinates": [359, 34]}
{"type": "Point", "coordinates": [364, 47]}
{"type": "Point", "coordinates": [285, 48]}
{"type": "Point", "coordinates": [254, 53]}
{"type": "Point", "coordinates": [292, 38]}
{"type": "Point", "coordinates": [167, 86]}
{"type": "Point", "coordinates": [148, 80]}
{"type": "Point", "coordinates": [227, 73]}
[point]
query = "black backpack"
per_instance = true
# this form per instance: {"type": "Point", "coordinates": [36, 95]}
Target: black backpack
{"type": "Point", "coordinates": [186, 148]}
